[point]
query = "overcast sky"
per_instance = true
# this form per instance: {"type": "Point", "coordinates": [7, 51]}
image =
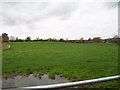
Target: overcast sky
{"type": "Point", "coordinates": [50, 19]}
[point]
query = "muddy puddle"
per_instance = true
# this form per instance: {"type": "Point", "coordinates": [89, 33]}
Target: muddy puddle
{"type": "Point", "coordinates": [23, 81]}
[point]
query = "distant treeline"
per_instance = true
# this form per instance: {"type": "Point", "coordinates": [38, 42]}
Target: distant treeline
{"type": "Point", "coordinates": [115, 39]}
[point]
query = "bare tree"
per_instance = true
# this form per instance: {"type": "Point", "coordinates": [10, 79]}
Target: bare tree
{"type": "Point", "coordinates": [28, 38]}
{"type": "Point", "coordinates": [89, 40]}
{"type": "Point", "coordinates": [61, 40]}
{"type": "Point", "coordinates": [37, 39]}
{"type": "Point", "coordinates": [82, 40]}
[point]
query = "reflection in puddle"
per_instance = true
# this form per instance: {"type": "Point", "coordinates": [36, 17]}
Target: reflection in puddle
{"type": "Point", "coordinates": [20, 81]}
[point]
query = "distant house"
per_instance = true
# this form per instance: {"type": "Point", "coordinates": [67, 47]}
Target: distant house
{"type": "Point", "coordinates": [97, 39]}
{"type": "Point", "coordinates": [116, 39]}
{"type": "Point", "coordinates": [81, 40]}
{"type": "Point", "coordinates": [89, 40]}
{"type": "Point", "coordinates": [109, 40]}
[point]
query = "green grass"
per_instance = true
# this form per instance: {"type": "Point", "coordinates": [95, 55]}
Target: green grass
{"type": "Point", "coordinates": [72, 61]}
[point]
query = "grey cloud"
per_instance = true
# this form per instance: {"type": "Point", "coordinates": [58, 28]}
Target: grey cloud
{"type": "Point", "coordinates": [9, 21]}
{"type": "Point", "coordinates": [18, 13]}
{"type": "Point", "coordinates": [40, 18]}
{"type": "Point", "coordinates": [25, 13]}
{"type": "Point", "coordinates": [111, 5]}
{"type": "Point", "coordinates": [63, 10]}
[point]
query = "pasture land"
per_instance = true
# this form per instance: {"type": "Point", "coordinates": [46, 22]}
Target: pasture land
{"type": "Point", "coordinates": [70, 60]}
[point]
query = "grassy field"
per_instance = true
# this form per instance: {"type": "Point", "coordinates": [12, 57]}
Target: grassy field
{"type": "Point", "coordinates": [70, 60]}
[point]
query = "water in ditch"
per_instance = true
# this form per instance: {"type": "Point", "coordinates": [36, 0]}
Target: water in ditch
{"type": "Point", "coordinates": [22, 81]}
